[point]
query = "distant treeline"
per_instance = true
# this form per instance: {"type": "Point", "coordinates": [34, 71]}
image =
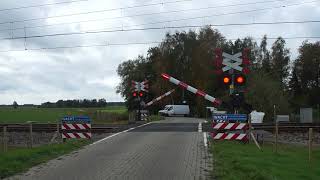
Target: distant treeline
{"type": "Point", "coordinates": [80, 103]}
{"type": "Point", "coordinates": [86, 103]}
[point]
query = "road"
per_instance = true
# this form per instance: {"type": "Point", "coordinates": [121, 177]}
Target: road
{"type": "Point", "coordinates": [169, 149]}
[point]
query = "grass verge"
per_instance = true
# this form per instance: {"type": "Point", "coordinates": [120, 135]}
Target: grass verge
{"type": "Point", "coordinates": [18, 160]}
{"type": "Point", "coordinates": [234, 160]}
{"type": "Point", "coordinates": [156, 118]}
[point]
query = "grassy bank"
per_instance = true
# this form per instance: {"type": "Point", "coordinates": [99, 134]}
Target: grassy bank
{"type": "Point", "coordinates": [21, 159]}
{"type": "Point", "coordinates": [53, 115]}
{"type": "Point", "coordinates": [156, 118]}
{"type": "Point", "coordinates": [233, 160]}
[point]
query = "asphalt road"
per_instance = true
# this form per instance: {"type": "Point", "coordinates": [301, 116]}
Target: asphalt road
{"type": "Point", "coordinates": [169, 149]}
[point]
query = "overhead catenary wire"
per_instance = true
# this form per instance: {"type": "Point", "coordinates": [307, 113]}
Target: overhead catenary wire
{"type": "Point", "coordinates": [158, 28]}
{"type": "Point", "coordinates": [41, 5]}
{"type": "Point", "coordinates": [82, 46]}
{"type": "Point", "coordinates": [158, 22]}
{"type": "Point", "coordinates": [91, 12]}
{"type": "Point", "coordinates": [144, 14]}
{"type": "Point", "coordinates": [133, 43]}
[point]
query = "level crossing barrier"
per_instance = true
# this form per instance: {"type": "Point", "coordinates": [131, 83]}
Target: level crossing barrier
{"type": "Point", "coordinates": [229, 127]}
{"type": "Point", "coordinates": [76, 127]}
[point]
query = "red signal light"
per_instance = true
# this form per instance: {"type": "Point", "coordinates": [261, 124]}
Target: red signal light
{"type": "Point", "coordinates": [134, 94]}
{"type": "Point", "coordinates": [141, 94]}
{"type": "Point", "coordinates": [240, 80]}
{"type": "Point", "coordinates": [226, 80]}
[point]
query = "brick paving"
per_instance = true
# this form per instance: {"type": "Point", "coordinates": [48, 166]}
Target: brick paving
{"type": "Point", "coordinates": [170, 149]}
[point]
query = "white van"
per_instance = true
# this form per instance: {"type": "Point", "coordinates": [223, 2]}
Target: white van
{"type": "Point", "coordinates": [171, 110]}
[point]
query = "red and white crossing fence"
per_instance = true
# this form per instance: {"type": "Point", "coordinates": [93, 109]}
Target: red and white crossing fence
{"type": "Point", "coordinates": [230, 130]}
{"type": "Point", "coordinates": [230, 136]}
{"type": "Point", "coordinates": [230, 126]}
{"type": "Point", "coordinates": [160, 97]}
{"type": "Point", "coordinates": [76, 127]}
{"type": "Point", "coordinates": [206, 96]}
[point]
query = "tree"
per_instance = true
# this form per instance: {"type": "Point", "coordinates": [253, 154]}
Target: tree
{"type": "Point", "coordinates": [15, 105]}
{"type": "Point", "coordinates": [264, 92]}
{"type": "Point", "coordinates": [189, 57]}
{"type": "Point", "coordinates": [102, 102]}
{"type": "Point", "coordinates": [305, 78]}
{"type": "Point", "coordinates": [264, 55]}
{"type": "Point", "coordinates": [280, 57]}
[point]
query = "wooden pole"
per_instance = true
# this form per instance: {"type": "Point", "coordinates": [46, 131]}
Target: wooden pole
{"type": "Point", "coordinates": [255, 141]}
{"type": "Point", "coordinates": [276, 137]}
{"type": "Point", "coordinates": [30, 135]}
{"type": "Point", "coordinates": [5, 142]}
{"type": "Point", "coordinates": [310, 143]}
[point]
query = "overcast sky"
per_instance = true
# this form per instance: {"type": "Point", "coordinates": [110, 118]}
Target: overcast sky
{"type": "Point", "coordinates": [36, 76]}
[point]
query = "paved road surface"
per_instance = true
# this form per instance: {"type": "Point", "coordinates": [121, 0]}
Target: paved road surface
{"type": "Point", "coordinates": [170, 149]}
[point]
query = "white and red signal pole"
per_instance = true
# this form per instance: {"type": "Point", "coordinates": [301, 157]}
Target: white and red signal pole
{"type": "Point", "coordinates": [206, 96]}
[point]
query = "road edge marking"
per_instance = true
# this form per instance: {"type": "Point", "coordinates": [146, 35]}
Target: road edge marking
{"type": "Point", "coordinates": [108, 137]}
{"type": "Point", "coordinates": [200, 127]}
{"type": "Point", "coordinates": [205, 141]}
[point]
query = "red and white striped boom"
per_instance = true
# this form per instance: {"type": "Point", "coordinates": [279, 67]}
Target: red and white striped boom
{"type": "Point", "coordinates": [160, 97]}
{"type": "Point", "coordinates": [175, 81]}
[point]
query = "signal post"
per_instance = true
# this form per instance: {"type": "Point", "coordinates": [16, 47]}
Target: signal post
{"type": "Point", "coordinates": [138, 90]}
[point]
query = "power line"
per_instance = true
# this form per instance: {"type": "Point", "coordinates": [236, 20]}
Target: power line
{"type": "Point", "coordinates": [135, 43]}
{"type": "Point", "coordinates": [159, 28]}
{"type": "Point", "coordinates": [146, 14]}
{"type": "Point", "coordinates": [41, 5]}
{"type": "Point", "coordinates": [231, 13]}
{"type": "Point", "coordinates": [192, 18]}
{"type": "Point", "coordinates": [211, 25]}
{"type": "Point", "coordinates": [98, 11]}
{"type": "Point", "coordinates": [83, 46]}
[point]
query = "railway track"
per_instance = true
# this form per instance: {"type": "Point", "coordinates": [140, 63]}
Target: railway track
{"type": "Point", "coordinates": [51, 127]}
{"type": "Point", "coordinates": [287, 126]}
{"type": "Point", "coordinates": [102, 128]}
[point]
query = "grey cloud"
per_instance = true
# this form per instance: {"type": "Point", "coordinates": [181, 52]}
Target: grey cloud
{"type": "Point", "coordinates": [49, 75]}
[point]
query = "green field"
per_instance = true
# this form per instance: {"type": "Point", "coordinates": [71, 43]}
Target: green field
{"type": "Point", "coordinates": [53, 115]}
{"type": "Point", "coordinates": [233, 160]}
{"type": "Point", "coordinates": [115, 109]}
{"type": "Point", "coordinates": [21, 159]}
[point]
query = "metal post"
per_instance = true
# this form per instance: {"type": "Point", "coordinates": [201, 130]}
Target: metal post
{"type": "Point", "coordinates": [310, 143]}
{"type": "Point", "coordinates": [139, 112]}
{"type": "Point", "coordinates": [5, 142]}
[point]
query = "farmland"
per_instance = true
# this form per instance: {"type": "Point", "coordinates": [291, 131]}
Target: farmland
{"type": "Point", "coordinates": [53, 115]}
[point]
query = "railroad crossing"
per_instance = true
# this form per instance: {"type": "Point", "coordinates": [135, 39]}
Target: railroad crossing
{"type": "Point", "coordinates": [170, 149]}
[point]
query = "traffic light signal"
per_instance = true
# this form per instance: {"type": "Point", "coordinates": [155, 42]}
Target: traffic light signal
{"type": "Point", "coordinates": [240, 80]}
{"type": "Point", "coordinates": [140, 94]}
{"type": "Point", "coordinates": [134, 94]}
{"type": "Point", "coordinates": [226, 79]}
